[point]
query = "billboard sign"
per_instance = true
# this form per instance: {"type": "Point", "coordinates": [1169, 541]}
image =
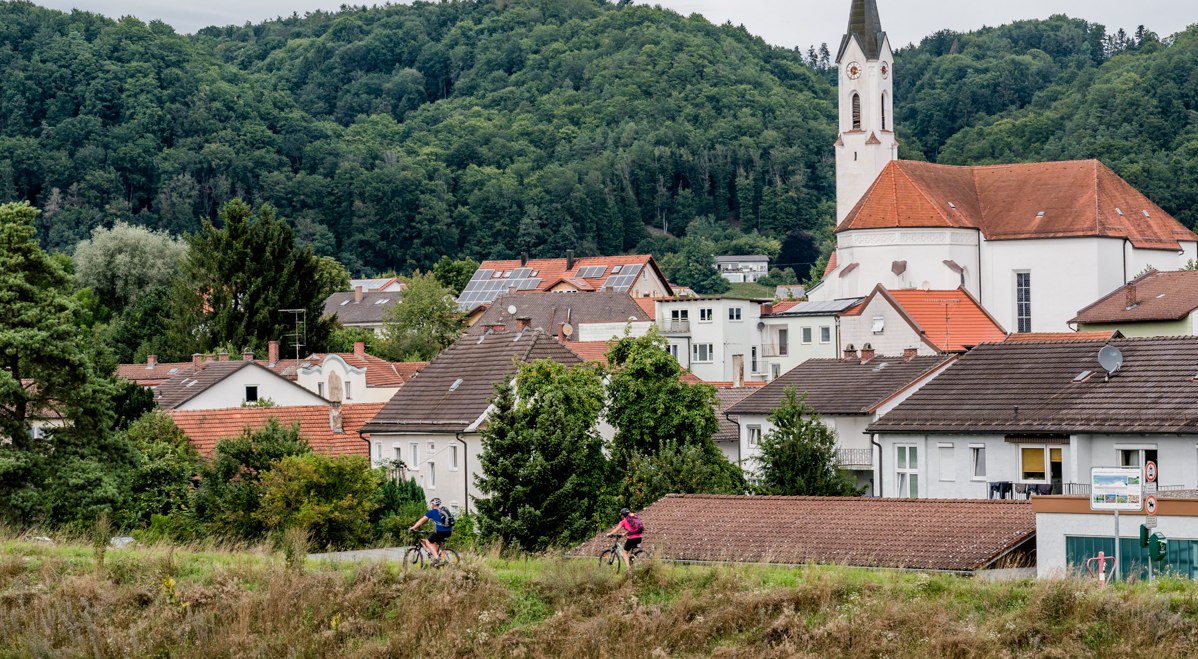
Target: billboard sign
{"type": "Point", "coordinates": [1116, 488]}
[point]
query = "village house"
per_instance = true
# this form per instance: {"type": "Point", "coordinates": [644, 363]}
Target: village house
{"type": "Point", "coordinates": [362, 309]}
{"type": "Point", "coordinates": [1154, 304]}
{"type": "Point", "coordinates": [713, 337]}
{"type": "Point", "coordinates": [791, 332]}
{"type": "Point", "coordinates": [930, 322]}
{"type": "Point", "coordinates": [1020, 418]}
{"type": "Point", "coordinates": [224, 384]}
{"type": "Point", "coordinates": [744, 268]}
{"type": "Point", "coordinates": [847, 393]}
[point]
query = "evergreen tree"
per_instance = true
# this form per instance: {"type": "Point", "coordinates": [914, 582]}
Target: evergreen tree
{"type": "Point", "coordinates": [236, 281]}
{"type": "Point", "coordinates": [542, 461]}
{"type": "Point", "coordinates": [798, 456]}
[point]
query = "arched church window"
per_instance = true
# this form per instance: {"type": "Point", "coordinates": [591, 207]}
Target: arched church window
{"type": "Point", "coordinates": [883, 110]}
{"type": "Point", "coordinates": [856, 112]}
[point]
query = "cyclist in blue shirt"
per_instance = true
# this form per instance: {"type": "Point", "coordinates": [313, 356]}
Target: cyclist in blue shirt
{"type": "Point", "coordinates": [441, 532]}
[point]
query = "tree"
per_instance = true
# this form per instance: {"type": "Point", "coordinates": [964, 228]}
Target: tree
{"type": "Point", "coordinates": [331, 277]}
{"type": "Point", "coordinates": [798, 456]}
{"type": "Point", "coordinates": [236, 282]}
{"type": "Point", "coordinates": [542, 460]}
{"type": "Point", "coordinates": [123, 262]}
{"type": "Point", "coordinates": [454, 274]}
{"type": "Point", "coordinates": [163, 477]}
{"type": "Point", "coordinates": [425, 321]}
{"type": "Point", "coordinates": [331, 497]}
{"type": "Point", "coordinates": [693, 266]}
{"type": "Point", "coordinates": [688, 469]}
{"type": "Point", "coordinates": [75, 471]}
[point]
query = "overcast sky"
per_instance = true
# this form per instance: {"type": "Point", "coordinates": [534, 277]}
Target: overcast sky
{"type": "Point", "coordinates": [782, 22]}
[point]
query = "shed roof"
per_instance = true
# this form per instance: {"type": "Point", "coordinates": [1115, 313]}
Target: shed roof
{"type": "Point", "coordinates": [919, 534]}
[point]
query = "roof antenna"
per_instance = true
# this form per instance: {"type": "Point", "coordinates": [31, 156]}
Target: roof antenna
{"type": "Point", "coordinates": [1111, 359]}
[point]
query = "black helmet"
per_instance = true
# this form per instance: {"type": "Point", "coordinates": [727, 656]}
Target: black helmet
{"type": "Point", "coordinates": [624, 512]}
{"type": "Point", "coordinates": [435, 502]}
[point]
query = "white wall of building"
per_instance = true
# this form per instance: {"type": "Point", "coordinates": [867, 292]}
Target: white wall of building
{"type": "Point", "coordinates": [648, 284]}
{"type": "Point", "coordinates": [925, 251]}
{"type": "Point", "coordinates": [321, 379]}
{"type": "Point", "coordinates": [231, 392]}
{"type": "Point", "coordinates": [726, 337]}
{"type": "Point", "coordinates": [1052, 528]}
{"type": "Point", "coordinates": [807, 337]}
{"type": "Point", "coordinates": [440, 463]}
{"type": "Point", "coordinates": [850, 434]}
{"type": "Point", "coordinates": [608, 331]}
{"type": "Point", "coordinates": [896, 333]}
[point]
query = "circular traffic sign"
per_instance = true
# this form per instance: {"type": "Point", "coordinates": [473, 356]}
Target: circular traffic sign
{"type": "Point", "coordinates": [1150, 505]}
{"type": "Point", "coordinates": [1150, 471]}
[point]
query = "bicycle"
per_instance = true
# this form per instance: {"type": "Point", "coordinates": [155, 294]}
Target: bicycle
{"type": "Point", "coordinates": [612, 556]}
{"type": "Point", "coordinates": [417, 556]}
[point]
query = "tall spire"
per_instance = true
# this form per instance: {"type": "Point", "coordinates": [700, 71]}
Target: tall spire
{"type": "Point", "coordinates": [866, 25]}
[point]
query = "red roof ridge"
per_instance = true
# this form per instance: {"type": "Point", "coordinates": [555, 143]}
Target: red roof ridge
{"type": "Point", "coordinates": [871, 500]}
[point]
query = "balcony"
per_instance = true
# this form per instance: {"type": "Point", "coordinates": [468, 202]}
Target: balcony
{"type": "Point", "coordinates": [775, 349]}
{"type": "Point", "coordinates": [855, 458]}
{"type": "Point", "coordinates": [1084, 488]}
{"type": "Point", "coordinates": [676, 327]}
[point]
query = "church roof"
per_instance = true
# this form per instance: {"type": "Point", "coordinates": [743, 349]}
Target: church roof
{"type": "Point", "coordinates": [1069, 199]}
{"type": "Point", "coordinates": [866, 26]}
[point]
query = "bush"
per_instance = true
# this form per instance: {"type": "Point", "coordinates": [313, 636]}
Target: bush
{"type": "Point", "coordinates": [331, 497]}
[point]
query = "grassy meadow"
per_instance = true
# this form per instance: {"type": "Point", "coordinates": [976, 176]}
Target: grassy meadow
{"type": "Point", "coordinates": [68, 600]}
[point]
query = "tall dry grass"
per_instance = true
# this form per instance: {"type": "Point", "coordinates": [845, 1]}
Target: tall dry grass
{"type": "Point", "coordinates": [166, 601]}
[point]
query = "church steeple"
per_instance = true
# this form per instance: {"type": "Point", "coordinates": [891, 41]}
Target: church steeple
{"type": "Point", "coordinates": [866, 141]}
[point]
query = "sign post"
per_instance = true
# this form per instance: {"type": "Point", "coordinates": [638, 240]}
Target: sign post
{"type": "Point", "coordinates": [1117, 489]}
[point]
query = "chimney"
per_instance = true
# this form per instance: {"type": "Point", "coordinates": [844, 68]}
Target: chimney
{"type": "Point", "coordinates": [561, 332]}
{"type": "Point", "coordinates": [498, 328]}
{"type": "Point", "coordinates": [522, 323]}
{"type": "Point", "coordinates": [738, 371]}
{"type": "Point", "coordinates": [335, 417]}
{"type": "Point", "coordinates": [523, 259]}
{"type": "Point", "coordinates": [247, 355]}
{"type": "Point", "coordinates": [569, 260]}
{"type": "Point", "coordinates": [867, 353]}
{"type": "Point", "coordinates": [850, 353]}
{"type": "Point", "coordinates": [357, 295]}
{"type": "Point", "coordinates": [197, 361]}
{"type": "Point", "coordinates": [1131, 296]}
{"type": "Point", "coordinates": [910, 353]}
{"type": "Point", "coordinates": [767, 308]}
{"type": "Point", "coordinates": [208, 359]}
{"type": "Point", "coordinates": [360, 349]}
{"type": "Point", "coordinates": [151, 361]}
{"type": "Point", "coordinates": [272, 352]}
{"type": "Point", "coordinates": [223, 356]}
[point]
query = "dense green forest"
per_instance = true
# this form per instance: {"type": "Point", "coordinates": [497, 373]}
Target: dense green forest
{"type": "Point", "coordinates": [388, 137]}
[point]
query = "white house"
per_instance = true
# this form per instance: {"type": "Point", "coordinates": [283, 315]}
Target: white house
{"type": "Point", "coordinates": [792, 332]}
{"type": "Point", "coordinates": [363, 309]}
{"type": "Point", "coordinates": [998, 231]}
{"type": "Point", "coordinates": [713, 337]}
{"type": "Point", "coordinates": [744, 268]}
{"type": "Point", "coordinates": [1019, 418]}
{"type": "Point", "coordinates": [635, 275]}
{"type": "Point", "coordinates": [848, 394]}
{"type": "Point", "coordinates": [225, 384]}
{"type": "Point", "coordinates": [928, 321]}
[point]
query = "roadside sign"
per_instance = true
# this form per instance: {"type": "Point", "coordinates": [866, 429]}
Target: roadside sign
{"type": "Point", "coordinates": [1150, 488]}
{"type": "Point", "coordinates": [1150, 505]}
{"type": "Point", "coordinates": [1150, 521]}
{"type": "Point", "coordinates": [1150, 471]}
{"type": "Point", "coordinates": [1116, 488]}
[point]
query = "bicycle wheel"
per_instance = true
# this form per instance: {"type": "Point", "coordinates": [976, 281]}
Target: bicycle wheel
{"type": "Point", "coordinates": [413, 559]}
{"type": "Point", "coordinates": [450, 558]}
{"type": "Point", "coordinates": [635, 555]}
{"type": "Point", "coordinates": [611, 558]}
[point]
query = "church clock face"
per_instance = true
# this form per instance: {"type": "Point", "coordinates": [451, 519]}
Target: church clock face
{"type": "Point", "coordinates": [853, 70]}
{"type": "Point", "coordinates": [885, 70]}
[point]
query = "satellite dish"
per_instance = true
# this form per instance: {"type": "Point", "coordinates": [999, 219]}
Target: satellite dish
{"type": "Point", "coordinates": [925, 285]}
{"type": "Point", "coordinates": [511, 308]}
{"type": "Point", "coordinates": [760, 325]}
{"type": "Point", "coordinates": [567, 329]}
{"type": "Point", "coordinates": [1111, 358]}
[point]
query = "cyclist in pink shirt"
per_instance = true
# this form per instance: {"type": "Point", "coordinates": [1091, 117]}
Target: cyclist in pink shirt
{"type": "Point", "coordinates": [634, 531]}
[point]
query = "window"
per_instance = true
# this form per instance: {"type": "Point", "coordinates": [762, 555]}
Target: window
{"type": "Point", "coordinates": [398, 453]}
{"type": "Point", "coordinates": [734, 313]}
{"type": "Point", "coordinates": [702, 352]}
{"type": "Point", "coordinates": [825, 335]}
{"type": "Point", "coordinates": [432, 448]}
{"type": "Point", "coordinates": [754, 436]}
{"type": "Point", "coordinates": [883, 111]}
{"type": "Point", "coordinates": [430, 480]}
{"type": "Point", "coordinates": [680, 315]}
{"type": "Point", "coordinates": [674, 351]}
{"type": "Point", "coordinates": [453, 458]}
{"type": "Point", "coordinates": [1031, 463]}
{"type": "Point", "coordinates": [907, 469]}
{"type": "Point", "coordinates": [783, 342]}
{"type": "Point", "coordinates": [1138, 457]}
{"type": "Point", "coordinates": [806, 334]}
{"type": "Point", "coordinates": [414, 455]}
{"type": "Point", "coordinates": [347, 391]}
{"type": "Point", "coordinates": [977, 455]}
{"type": "Point", "coordinates": [378, 450]}
{"type": "Point", "coordinates": [948, 462]}
{"type": "Point", "coordinates": [753, 360]}
{"type": "Point", "coordinates": [775, 371]}
{"type": "Point", "coordinates": [705, 315]}
{"type": "Point", "coordinates": [320, 389]}
{"type": "Point", "coordinates": [879, 325]}
{"type": "Point", "coordinates": [251, 393]}
{"type": "Point", "coordinates": [856, 112]}
{"type": "Point", "coordinates": [1023, 301]}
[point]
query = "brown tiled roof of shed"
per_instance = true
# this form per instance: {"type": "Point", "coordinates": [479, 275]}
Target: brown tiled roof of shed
{"type": "Point", "coordinates": [726, 397]}
{"type": "Point", "coordinates": [548, 310]}
{"type": "Point", "coordinates": [1008, 202]}
{"type": "Point", "coordinates": [837, 386]}
{"type": "Point", "coordinates": [1045, 388]}
{"type": "Point", "coordinates": [1153, 296]}
{"type": "Point", "coordinates": [917, 534]}
{"type": "Point", "coordinates": [436, 400]}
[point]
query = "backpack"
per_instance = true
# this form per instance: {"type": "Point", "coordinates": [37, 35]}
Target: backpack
{"type": "Point", "coordinates": [637, 525]}
{"type": "Point", "coordinates": [447, 518]}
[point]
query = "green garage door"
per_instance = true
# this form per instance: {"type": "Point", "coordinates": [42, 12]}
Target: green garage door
{"type": "Point", "coordinates": [1133, 561]}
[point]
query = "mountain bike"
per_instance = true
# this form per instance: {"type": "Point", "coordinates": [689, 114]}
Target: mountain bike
{"type": "Point", "coordinates": [611, 557]}
{"type": "Point", "coordinates": [418, 557]}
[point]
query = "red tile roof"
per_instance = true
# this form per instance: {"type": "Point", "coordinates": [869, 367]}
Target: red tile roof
{"type": "Point", "coordinates": [648, 305]}
{"type": "Point", "coordinates": [591, 351]}
{"type": "Point", "coordinates": [553, 271]}
{"type": "Point", "coordinates": [1056, 337]}
{"type": "Point", "coordinates": [918, 534]}
{"type": "Point", "coordinates": [785, 305]}
{"type": "Point", "coordinates": [1007, 202]}
{"type": "Point", "coordinates": [379, 372]}
{"type": "Point", "coordinates": [1153, 296]}
{"type": "Point", "coordinates": [951, 321]}
{"type": "Point", "coordinates": [828, 269]}
{"type": "Point", "coordinates": [206, 427]}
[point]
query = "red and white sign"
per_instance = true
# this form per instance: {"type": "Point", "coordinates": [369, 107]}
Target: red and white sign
{"type": "Point", "coordinates": [1150, 471]}
{"type": "Point", "coordinates": [1150, 504]}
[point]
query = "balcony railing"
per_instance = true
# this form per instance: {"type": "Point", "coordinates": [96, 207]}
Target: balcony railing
{"type": "Point", "coordinates": [676, 327]}
{"type": "Point", "coordinates": [1084, 488]}
{"type": "Point", "coordinates": [775, 349]}
{"type": "Point", "coordinates": [855, 458]}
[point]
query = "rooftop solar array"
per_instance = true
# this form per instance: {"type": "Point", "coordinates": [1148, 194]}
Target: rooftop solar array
{"type": "Point", "coordinates": [623, 281]}
{"type": "Point", "coordinates": [486, 285]}
{"type": "Point", "coordinates": [591, 271]}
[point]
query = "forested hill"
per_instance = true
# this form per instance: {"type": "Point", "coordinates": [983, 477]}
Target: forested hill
{"type": "Point", "coordinates": [391, 136]}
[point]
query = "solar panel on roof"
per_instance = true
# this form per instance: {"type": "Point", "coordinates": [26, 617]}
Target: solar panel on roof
{"type": "Point", "coordinates": [592, 271]}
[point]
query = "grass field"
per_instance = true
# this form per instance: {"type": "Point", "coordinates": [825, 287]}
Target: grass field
{"type": "Point", "coordinates": [65, 600]}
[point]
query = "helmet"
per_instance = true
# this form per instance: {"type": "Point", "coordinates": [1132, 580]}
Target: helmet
{"type": "Point", "coordinates": [624, 512]}
{"type": "Point", "coordinates": [435, 502]}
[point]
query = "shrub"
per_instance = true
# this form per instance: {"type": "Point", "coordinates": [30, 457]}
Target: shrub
{"type": "Point", "coordinates": [331, 497]}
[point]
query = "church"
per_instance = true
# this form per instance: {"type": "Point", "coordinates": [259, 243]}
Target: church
{"type": "Point", "coordinates": [1031, 242]}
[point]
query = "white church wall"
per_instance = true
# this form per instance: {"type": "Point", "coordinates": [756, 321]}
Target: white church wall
{"type": "Point", "coordinates": [925, 251]}
{"type": "Point", "coordinates": [858, 162]}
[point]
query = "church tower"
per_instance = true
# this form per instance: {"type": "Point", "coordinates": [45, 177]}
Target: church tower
{"type": "Point", "coordinates": [866, 73]}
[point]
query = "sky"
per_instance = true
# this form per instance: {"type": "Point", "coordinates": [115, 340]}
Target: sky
{"type": "Point", "coordinates": [781, 22]}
